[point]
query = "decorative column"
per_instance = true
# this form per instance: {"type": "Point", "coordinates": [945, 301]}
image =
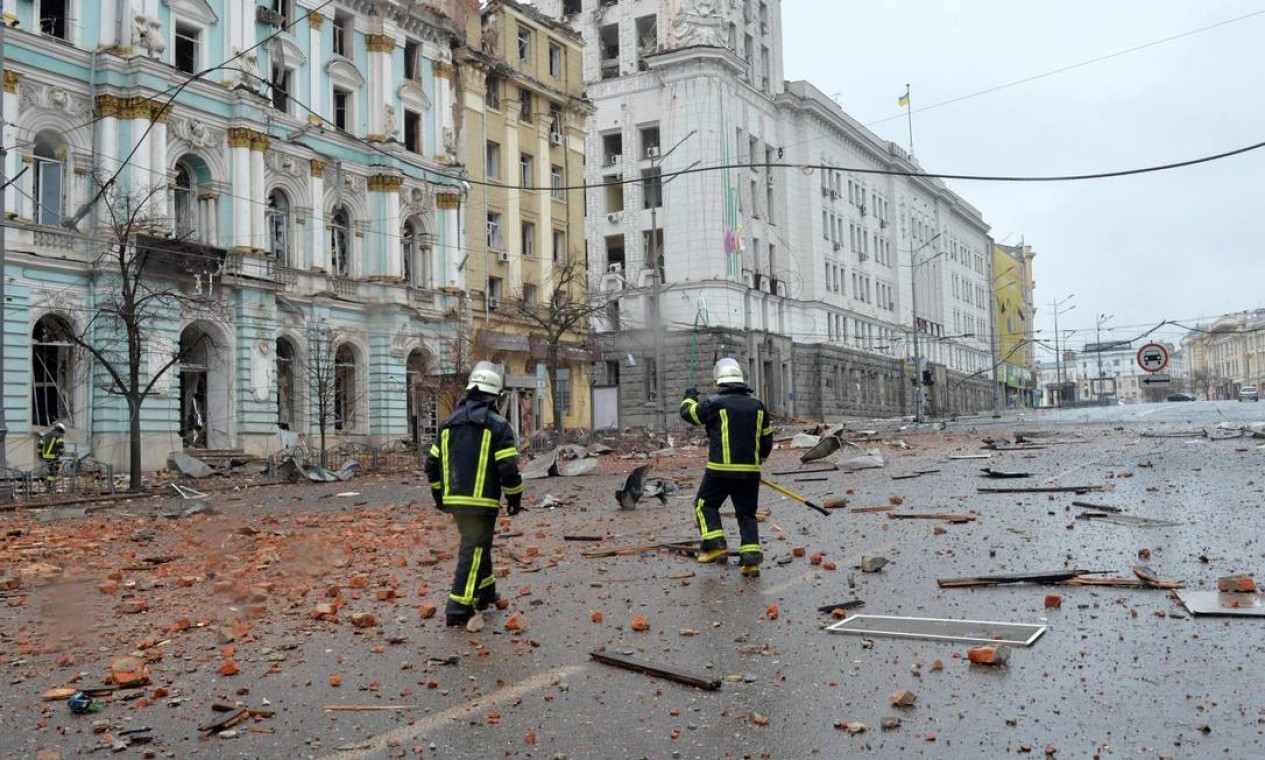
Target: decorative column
{"type": "Point", "coordinates": [140, 182]}
{"type": "Point", "coordinates": [383, 124]}
{"type": "Point", "coordinates": [449, 205]}
{"type": "Point", "coordinates": [443, 132]}
{"type": "Point", "coordinates": [158, 178]}
{"type": "Point", "coordinates": [390, 265]}
{"type": "Point", "coordinates": [239, 142]}
{"type": "Point", "coordinates": [11, 12]}
{"type": "Point", "coordinates": [315, 22]}
{"type": "Point", "coordinates": [259, 143]}
{"type": "Point", "coordinates": [209, 217]}
{"type": "Point", "coordinates": [11, 116]}
{"type": "Point", "coordinates": [319, 260]}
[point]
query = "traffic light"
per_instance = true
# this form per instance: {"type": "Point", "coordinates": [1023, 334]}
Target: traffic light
{"type": "Point", "coordinates": [926, 377]}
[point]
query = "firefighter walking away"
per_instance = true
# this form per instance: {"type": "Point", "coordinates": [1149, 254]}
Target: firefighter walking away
{"type": "Point", "coordinates": [739, 438]}
{"type": "Point", "coordinates": [470, 466]}
{"type": "Point", "coordinates": [51, 446]}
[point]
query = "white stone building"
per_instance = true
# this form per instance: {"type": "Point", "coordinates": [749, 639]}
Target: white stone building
{"type": "Point", "coordinates": [784, 245]}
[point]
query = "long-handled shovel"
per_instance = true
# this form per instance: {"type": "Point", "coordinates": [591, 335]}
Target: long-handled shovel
{"type": "Point", "coordinates": [795, 496]}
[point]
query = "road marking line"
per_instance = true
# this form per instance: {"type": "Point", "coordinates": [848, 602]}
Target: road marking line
{"type": "Point", "coordinates": [439, 720]}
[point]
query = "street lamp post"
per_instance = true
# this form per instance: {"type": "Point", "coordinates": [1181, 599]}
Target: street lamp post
{"type": "Point", "coordinates": [656, 269]}
{"type": "Point", "coordinates": [1058, 355]}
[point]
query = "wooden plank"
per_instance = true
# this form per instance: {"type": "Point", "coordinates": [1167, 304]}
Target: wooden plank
{"type": "Point", "coordinates": [1124, 583]}
{"type": "Point", "coordinates": [930, 516]}
{"type": "Point", "coordinates": [1050, 576]}
{"type": "Point", "coordinates": [867, 510]}
{"type": "Point", "coordinates": [848, 605]}
{"type": "Point", "coordinates": [990, 472]}
{"type": "Point", "coordinates": [1042, 489]}
{"type": "Point", "coordinates": [1099, 507]}
{"type": "Point", "coordinates": [662, 671]}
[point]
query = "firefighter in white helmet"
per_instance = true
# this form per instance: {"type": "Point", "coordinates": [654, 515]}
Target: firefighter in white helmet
{"type": "Point", "coordinates": [739, 438]}
{"type": "Point", "coordinates": [471, 465]}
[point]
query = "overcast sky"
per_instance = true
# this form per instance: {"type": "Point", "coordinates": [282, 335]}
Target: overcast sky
{"type": "Point", "coordinates": [1178, 245]}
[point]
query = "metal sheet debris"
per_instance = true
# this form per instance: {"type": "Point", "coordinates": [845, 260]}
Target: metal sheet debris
{"type": "Point", "coordinates": [1224, 603]}
{"type": "Point", "coordinates": [189, 466]}
{"type": "Point", "coordinates": [820, 450]}
{"type": "Point", "coordinates": [872, 459]}
{"type": "Point", "coordinates": [1127, 520]}
{"type": "Point", "coordinates": [940, 629]}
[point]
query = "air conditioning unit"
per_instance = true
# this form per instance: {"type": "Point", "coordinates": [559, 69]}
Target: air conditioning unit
{"type": "Point", "coordinates": [825, 192]}
{"type": "Point", "coordinates": [652, 151]}
{"type": "Point", "coordinates": [503, 256]}
{"type": "Point", "coordinates": [769, 179]}
{"type": "Point", "coordinates": [862, 209]}
{"type": "Point", "coordinates": [613, 217]}
{"type": "Point", "coordinates": [612, 159]}
{"type": "Point", "coordinates": [616, 268]}
{"type": "Point", "coordinates": [781, 288]}
{"type": "Point", "coordinates": [555, 138]}
{"type": "Point", "coordinates": [834, 195]}
{"type": "Point", "coordinates": [493, 303]}
{"type": "Point", "coordinates": [837, 246]}
{"type": "Point", "coordinates": [266, 15]}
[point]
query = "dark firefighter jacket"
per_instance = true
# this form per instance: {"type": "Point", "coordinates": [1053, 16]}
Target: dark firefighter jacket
{"type": "Point", "coordinates": [474, 460]}
{"type": "Point", "coordinates": [739, 436]}
{"type": "Point", "coordinates": [51, 446]}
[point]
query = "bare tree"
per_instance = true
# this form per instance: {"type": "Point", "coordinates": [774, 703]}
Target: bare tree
{"type": "Point", "coordinates": [137, 280]}
{"type": "Point", "coordinates": [332, 385]}
{"type": "Point", "coordinates": [568, 310]}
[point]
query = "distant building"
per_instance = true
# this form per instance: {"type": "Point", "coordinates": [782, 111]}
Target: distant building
{"type": "Point", "coordinates": [1114, 367]}
{"type": "Point", "coordinates": [1226, 354]}
{"type": "Point", "coordinates": [1014, 314]}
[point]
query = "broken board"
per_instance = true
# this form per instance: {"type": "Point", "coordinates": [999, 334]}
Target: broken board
{"type": "Point", "coordinates": [940, 629]}
{"type": "Point", "coordinates": [663, 671]}
{"type": "Point", "coordinates": [1224, 603]}
{"type": "Point", "coordinates": [1129, 520]}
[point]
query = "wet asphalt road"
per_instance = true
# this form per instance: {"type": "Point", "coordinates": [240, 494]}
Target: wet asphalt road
{"type": "Point", "coordinates": [1111, 676]}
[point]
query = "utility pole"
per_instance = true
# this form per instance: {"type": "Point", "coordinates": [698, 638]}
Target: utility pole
{"type": "Point", "coordinates": [1058, 355]}
{"type": "Point", "coordinates": [1102, 397]}
{"type": "Point", "coordinates": [658, 270]}
{"type": "Point", "coordinates": [4, 252]}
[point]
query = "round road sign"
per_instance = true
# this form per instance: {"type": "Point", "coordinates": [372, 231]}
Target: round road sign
{"type": "Point", "coordinates": [1153, 357]}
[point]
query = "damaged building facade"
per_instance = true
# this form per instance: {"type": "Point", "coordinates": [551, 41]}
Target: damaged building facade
{"type": "Point", "coordinates": [298, 205]}
{"type": "Point", "coordinates": [732, 213]}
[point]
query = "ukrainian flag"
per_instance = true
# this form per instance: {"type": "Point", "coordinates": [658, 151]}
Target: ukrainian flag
{"type": "Point", "coordinates": [904, 99]}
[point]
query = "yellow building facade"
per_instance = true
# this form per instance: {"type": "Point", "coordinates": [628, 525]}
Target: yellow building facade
{"type": "Point", "coordinates": [523, 121]}
{"type": "Point", "coordinates": [1014, 315]}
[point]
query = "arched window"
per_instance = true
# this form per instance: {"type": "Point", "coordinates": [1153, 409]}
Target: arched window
{"type": "Point", "coordinates": [286, 369]}
{"type": "Point", "coordinates": [49, 160]}
{"type": "Point", "coordinates": [184, 202]}
{"type": "Point", "coordinates": [340, 242]}
{"type": "Point", "coordinates": [52, 370]}
{"type": "Point", "coordinates": [419, 270]}
{"type": "Point", "coordinates": [279, 226]}
{"type": "Point", "coordinates": [344, 388]}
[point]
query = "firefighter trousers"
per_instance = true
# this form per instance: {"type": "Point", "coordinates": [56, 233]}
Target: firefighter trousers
{"type": "Point", "coordinates": [473, 582]}
{"type": "Point", "coordinates": [712, 492]}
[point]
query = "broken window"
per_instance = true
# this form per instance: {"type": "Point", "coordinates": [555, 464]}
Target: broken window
{"type": "Point", "coordinates": [54, 18]}
{"type": "Point", "coordinates": [340, 242]}
{"type": "Point", "coordinates": [608, 45]}
{"type": "Point", "coordinates": [184, 202]}
{"type": "Point", "coordinates": [188, 48]}
{"type": "Point", "coordinates": [344, 388]}
{"type": "Point", "coordinates": [422, 404]}
{"type": "Point", "coordinates": [285, 384]}
{"type": "Point", "coordinates": [50, 153]}
{"type": "Point", "coordinates": [279, 226]}
{"type": "Point", "coordinates": [51, 371]}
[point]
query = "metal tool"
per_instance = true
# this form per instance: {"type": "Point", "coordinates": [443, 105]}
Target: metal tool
{"type": "Point", "coordinates": [795, 496]}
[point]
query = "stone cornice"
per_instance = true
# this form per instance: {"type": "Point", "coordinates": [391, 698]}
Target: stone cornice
{"type": "Point", "coordinates": [442, 69]}
{"type": "Point", "coordinates": [244, 137]}
{"type": "Point", "coordinates": [447, 201]}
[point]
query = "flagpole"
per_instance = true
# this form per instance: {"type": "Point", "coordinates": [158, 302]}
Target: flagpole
{"type": "Point", "coordinates": [909, 111]}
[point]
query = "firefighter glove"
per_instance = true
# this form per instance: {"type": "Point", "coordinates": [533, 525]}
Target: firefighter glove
{"type": "Point", "coordinates": [691, 393]}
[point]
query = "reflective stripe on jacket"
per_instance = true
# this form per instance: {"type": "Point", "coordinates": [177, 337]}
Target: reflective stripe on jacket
{"type": "Point", "coordinates": [739, 436]}
{"type": "Point", "coordinates": [475, 459]}
{"type": "Point", "coordinates": [52, 446]}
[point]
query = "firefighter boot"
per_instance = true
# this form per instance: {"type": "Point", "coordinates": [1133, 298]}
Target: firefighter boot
{"type": "Point", "coordinates": [749, 562]}
{"type": "Point", "coordinates": [716, 552]}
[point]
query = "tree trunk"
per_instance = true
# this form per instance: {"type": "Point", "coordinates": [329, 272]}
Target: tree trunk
{"type": "Point", "coordinates": [134, 444]}
{"type": "Point", "coordinates": [552, 369]}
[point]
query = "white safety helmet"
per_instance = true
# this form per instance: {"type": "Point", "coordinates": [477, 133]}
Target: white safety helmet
{"type": "Point", "coordinates": [487, 378]}
{"type": "Point", "coordinates": [59, 427]}
{"type": "Point", "coordinates": [727, 371]}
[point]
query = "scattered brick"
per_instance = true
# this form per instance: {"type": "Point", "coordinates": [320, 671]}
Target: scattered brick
{"type": "Point", "coordinates": [428, 610]}
{"type": "Point", "coordinates": [1053, 601]}
{"type": "Point", "coordinates": [990, 655]}
{"type": "Point", "coordinates": [229, 668]}
{"type": "Point", "coordinates": [1243, 583]}
{"type": "Point", "coordinates": [903, 698]}
{"type": "Point", "coordinates": [639, 624]}
{"type": "Point", "coordinates": [771, 611]}
{"type": "Point", "coordinates": [595, 616]}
